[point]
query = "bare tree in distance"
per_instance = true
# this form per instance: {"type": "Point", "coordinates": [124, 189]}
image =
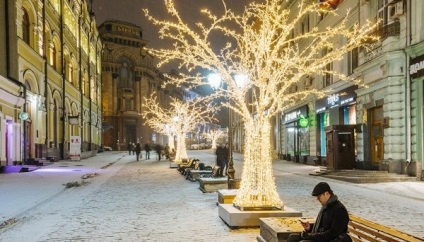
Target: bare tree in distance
{"type": "Point", "coordinates": [265, 46]}
{"type": "Point", "coordinates": [214, 135]}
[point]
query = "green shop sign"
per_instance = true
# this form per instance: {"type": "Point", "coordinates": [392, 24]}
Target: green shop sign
{"type": "Point", "coordinates": [303, 122]}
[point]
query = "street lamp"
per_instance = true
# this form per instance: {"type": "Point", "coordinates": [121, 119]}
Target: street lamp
{"type": "Point", "coordinates": [215, 80]}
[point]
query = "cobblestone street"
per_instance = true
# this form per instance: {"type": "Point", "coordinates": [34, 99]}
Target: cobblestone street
{"type": "Point", "coordinates": [148, 201]}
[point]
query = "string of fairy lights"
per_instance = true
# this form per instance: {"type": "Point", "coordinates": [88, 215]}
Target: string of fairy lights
{"type": "Point", "coordinates": [214, 135]}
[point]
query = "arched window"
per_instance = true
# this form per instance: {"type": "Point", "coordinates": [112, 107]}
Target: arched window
{"type": "Point", "coordinates": [25, 27]}
{"type": "Point", "coordinates": [54, 57]}
{"type": "Point", "coordinates": [27, 85]}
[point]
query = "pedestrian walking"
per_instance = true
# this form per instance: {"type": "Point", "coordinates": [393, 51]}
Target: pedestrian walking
{"type": "Point", "coordinates": [147, 149]}
{"type": "Point", "coordinates": [138, 151]}
{"type": "Point", "coordinates": [130, 148]}
{"type": "Point", "coordinates": [331, 222]}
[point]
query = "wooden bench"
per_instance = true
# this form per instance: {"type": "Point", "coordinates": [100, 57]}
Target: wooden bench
{"type": "Point", "coordinates": [186, 163]}
{"type": "Point", "coordinates": [212, 182]}
{"type": "Point", "coordinates": [364, 230]}
{"type": "Point", "coordinates": [194, 165]}
{"type": "Point", "coordinates": [213, 174]}
{"type": "Point", "coordinates": [199, 170]}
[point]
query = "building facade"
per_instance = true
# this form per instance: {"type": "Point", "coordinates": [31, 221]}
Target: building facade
{"type": "Point", "coordinates": [387, 114]}
{"type": "Point", "coordinates": [129, 76]}
{"type": "Point", "coordinates": [50, 74]}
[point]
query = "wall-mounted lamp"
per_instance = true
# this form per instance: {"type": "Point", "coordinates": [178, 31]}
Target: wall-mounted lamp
{"type": "Point", "coordinates": [73, 119]}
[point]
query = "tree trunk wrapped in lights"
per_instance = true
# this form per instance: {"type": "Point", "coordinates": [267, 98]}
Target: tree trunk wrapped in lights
{"type": "Point", "coordinates": [214, 135]}
{"type": "Point", "coordinates": [180, 118]}
{"type": "Point", "coordinates": [257, 188]}
{"type": "Point", "coordinates": [265, 45]}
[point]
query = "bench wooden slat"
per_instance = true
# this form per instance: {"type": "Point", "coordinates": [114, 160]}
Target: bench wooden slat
{"type": "Point", "coordinates": [380, 231]}
{"type": "Point", "coordinates": [361, 232]}
{"type": "Point", "coordinates": [370, 231]}
{"type": "Point", "coordinates": [354, 239]}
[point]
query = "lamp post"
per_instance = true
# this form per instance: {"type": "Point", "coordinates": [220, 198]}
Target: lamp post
{"type": "Point", "coordinates": [215, 82]}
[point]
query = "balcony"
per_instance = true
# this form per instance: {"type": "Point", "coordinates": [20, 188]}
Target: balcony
{"type": "Point", "coordinates": [388, 30]}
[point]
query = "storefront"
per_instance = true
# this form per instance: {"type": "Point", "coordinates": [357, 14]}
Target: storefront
{"type": "Point", "coordinates": [335, 109]}
{"type": "Point", "coordinates": [296, 129]}
{"type": "Point", "coordinates": [416, 71]}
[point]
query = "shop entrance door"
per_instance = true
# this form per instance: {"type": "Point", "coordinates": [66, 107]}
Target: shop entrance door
{"type": "Point", "coordinates": [377, 138]}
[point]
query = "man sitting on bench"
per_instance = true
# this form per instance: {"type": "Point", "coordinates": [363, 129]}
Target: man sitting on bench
{"type": "Point", "coordinates": [332, 221]}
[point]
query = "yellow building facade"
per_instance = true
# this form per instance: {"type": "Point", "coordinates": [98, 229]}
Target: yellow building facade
{"type": "Point", "coordinates": [51, 74]}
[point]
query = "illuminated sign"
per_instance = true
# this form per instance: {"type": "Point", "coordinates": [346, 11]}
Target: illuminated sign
{"type": "Point", "coordinates": [342, 98]}
{"type": "Point", "coordinates": [295, 115]}
{"type": "Point", "coordinates": [303, 122]}
{"type": "Point", "coordinates": [23, 116]}
{"type": "Point", "coordinates": [333, 99]}
{"type": "Point", "coordinates": [416, 69]}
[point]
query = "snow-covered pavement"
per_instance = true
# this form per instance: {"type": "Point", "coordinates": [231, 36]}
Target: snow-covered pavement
{"type": "Point", "coordinates": [126, 200]}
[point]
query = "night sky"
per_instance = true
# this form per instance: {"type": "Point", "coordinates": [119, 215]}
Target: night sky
{"type": "Point", "coordinates": [131, 11]}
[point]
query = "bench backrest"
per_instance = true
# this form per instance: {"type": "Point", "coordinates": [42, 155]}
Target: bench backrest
{"type": "Point", "coordinates": [215, 171]}
{"type": "Point", "coordinates": [364, 230]}
{"type": "Point", "coordinates": [196, 165]}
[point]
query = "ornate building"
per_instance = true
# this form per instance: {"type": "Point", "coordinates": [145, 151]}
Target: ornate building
{"type": "Point", "coordinates": [387, 114]}
{"type": "Point", "coordinates": [50, 69]}
{"type": "Point", "coordinates": [129, 76]}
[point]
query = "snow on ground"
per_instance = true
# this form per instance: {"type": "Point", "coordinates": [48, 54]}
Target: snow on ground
{"type": "Point", "coordinates": [148, 201]}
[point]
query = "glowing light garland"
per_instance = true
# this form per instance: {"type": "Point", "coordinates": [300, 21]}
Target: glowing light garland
{"type": "Point", "coordinates": [264, 44]}
{"type": "Point", "coordinates": [180, 118]}
{"type": "Point", "coordinates": [214, 135]}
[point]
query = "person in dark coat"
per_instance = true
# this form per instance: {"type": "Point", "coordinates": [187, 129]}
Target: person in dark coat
{"type": "Point", "coordinates": [224, 162]}
{"type": "Point", "coordinates": [219, 158]}
{"type": "Point", "coordinates": [130, 148]}
{"type": "Point", "coordinates": [167, 151]}
{"type": "Point", "coordinates": [137, 150]}
{"type": "Point", "coordinates": [147, 149]}
{"type": "Point", "coordinates": [158, 149]}
{"type": "Point", "coordinates": [331, 222]}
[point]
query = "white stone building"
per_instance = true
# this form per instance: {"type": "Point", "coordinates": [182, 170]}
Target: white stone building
{"type": "Point", "coordinates": [386, 116]}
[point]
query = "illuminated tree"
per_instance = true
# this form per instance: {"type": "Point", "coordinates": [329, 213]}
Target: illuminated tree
{"type": "Point", "coordinates": [214, 135]}
{"type": "Point", "coordinates": [265, 44]}
{"type": "Point", "coordinates": [180, 118]}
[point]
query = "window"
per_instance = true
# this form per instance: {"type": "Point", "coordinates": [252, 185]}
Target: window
{"type": "Point", "coordinates": [25, 27]}
{"type": "Point", "coordinates": [71, 73]}
{"type": "Point", "coordinates": [53, 56]}
{"type": "Point", "coordinates": [305, 25]}
{"type": "Point", "coordinates": [328, 77]}
{"type": "Point", "coordinates": [352, 60]}
{"type": "Point", "coordinates": [128, 104]}
{"type": "Point", "coordinates": [383, 11]}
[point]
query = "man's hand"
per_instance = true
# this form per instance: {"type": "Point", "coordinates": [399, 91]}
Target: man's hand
{"type": "Point", "coordinates": [305, 224]}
